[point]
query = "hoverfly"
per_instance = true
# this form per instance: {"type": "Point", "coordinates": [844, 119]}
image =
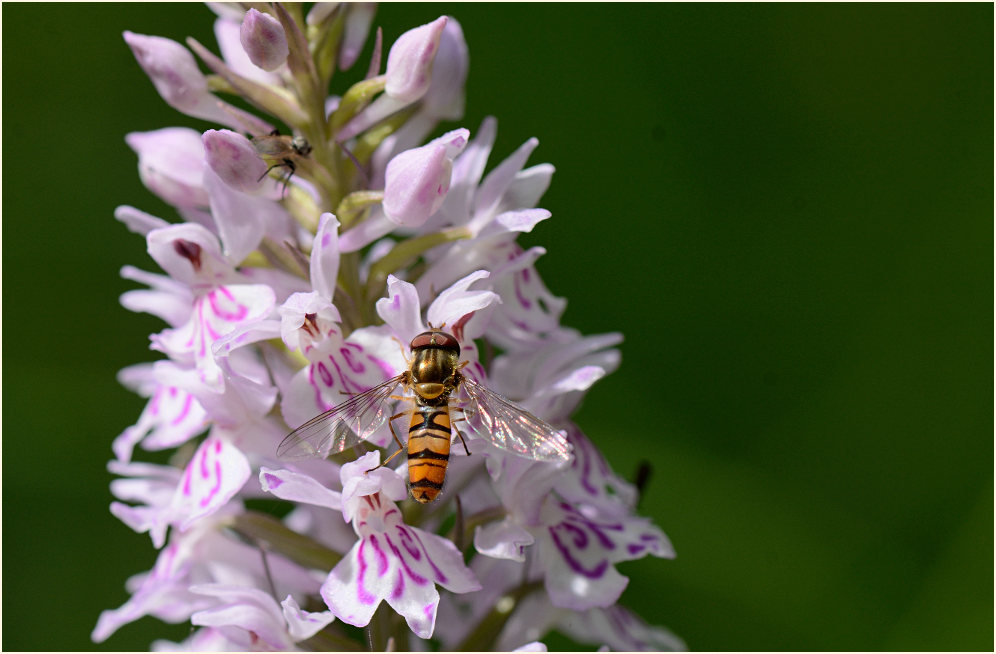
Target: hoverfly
{"type": "Point", "coordinates": [432, 383]}
{"type": "Point", "coordinates": [285, 149]}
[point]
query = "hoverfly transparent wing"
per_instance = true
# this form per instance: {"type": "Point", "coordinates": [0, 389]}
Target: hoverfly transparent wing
{"type": "Point", "coordinates": [342, 426]}
{"type": "Point", "coordinates": [512, 428]}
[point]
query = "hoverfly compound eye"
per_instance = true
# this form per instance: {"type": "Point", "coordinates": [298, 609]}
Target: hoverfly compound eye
{"type": "Point", "coordinates": [440, 340]}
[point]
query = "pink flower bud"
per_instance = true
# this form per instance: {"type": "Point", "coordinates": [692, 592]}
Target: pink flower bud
{"type": "Point", "coordinates": [171, 164]}
{"type": "Point", "coordinates": [264, 40]}
{"type": "Point", "coordinates": [409, 64]}
{"type": "Point", "coordinates": [233, 158]}
{"type": "Point", "coordinates": [172, 69]}
{"type": "Point", "coordinates": [358, 21]}
{"type": "Point", "coordinates": [417, 180]}
{"type": "Point", "coordinates": [445, 97]}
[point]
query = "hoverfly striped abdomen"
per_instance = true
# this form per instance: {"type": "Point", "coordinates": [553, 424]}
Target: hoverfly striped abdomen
{"type": "Point", "coordinates": [428, 451]}
{"type": "Point", "coordinates": [433, 380]}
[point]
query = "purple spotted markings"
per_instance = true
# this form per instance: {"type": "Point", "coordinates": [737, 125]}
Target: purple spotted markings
{"type": "Point", "coordinates": [294, 271]}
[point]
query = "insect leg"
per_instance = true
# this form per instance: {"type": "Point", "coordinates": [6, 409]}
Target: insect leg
{"type": "Point", "coordinates": [291, 169]}
{"type": "Point", "coordinates": [276, 165]}
{"type": "Point", "coordinates": [458, 433]}
{"type": "Point", "coordinates": [390, 423]}
{"type": "Point", "coordinates": [461, 437]}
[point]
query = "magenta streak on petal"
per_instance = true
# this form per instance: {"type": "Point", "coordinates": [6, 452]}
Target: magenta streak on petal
{"type": "Point", "coordinates": [323, 372]}
{"type": "Point", "coordinates": [518, 293]}
{"type": "Point", "coordinates": [362, 594]}
{"type": "Point", "coordinates": [399, 586]}
{"type": "Point", "coordinates": [418, 579]}
{"type": "Point", "coordinates": [580, 537]}
{"type": "Point", "coordinates": [353, 364]}
{"type": "Point", "coordinates": [345, 380]}
{"type": "Point", "coordinates": [524, 326]}
{"type": "Point", "coordinates": [272, 481]}
{"type": "Point", "coordinates": [165, 563]}
{"type": "Point", "coordinates": [186, 482]}
{"type": "Point", "coordinates": [583, 456]}
{"type": "Point", "coordinates": [440, 577]}
{"type": "Point", "coordinates": [241, 310]}
{"type": "Point", "coordinates": [575, 565]}
{"type": "Point", "coordinates": [205, 473]}
{"type": "Point", "coordinates": [217, 484]}
{"type": "Point", "coordinates": [200, 323]}
{"type": "Point", "coordinates": [597, 528]}
{"type": "Point", "coordinates": [525, 273]}
{"type": "Point", "coordinates": [409, 544]}
{"type": "Point", "coordinates": [319, 402]}
{"type": "Point", "coordinates": [386, 368]}
{"type": "Point", "coordinates": [649, 537]}
{"type": "Point", "coordinates": [326, 239]}
{"type": "Point", "coordinates": [184, 411]}
{"type": "Point", "coordinates": [154, 402]}
{"type": "Point", "coordinates": [633, 548]}
{"type": "Point", "coordinates": [428, 609]}
{"type": "Point", "coordinates": [381, 556]}
{"type": "Point", "coordinates": [217, 447]}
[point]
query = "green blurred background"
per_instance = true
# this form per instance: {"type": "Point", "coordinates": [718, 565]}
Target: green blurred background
{"type": "Point", "coordinates": [785, 208]}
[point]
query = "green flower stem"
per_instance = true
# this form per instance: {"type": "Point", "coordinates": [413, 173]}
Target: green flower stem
{"type": "Point", "coordinates": [368, 141]}
{"type": "Point", "coordinates": [405, 253]}
{"type": "Point", "coordinates": [465, 535]}
{"type": "Point", "coordinates": [280, 256]}
{"type": "Point", "coordinates": [272, 534]}
{"type": "Point", "coordinates": [354, 100]}
{"type": "Point", "coordinates": [483, 636]}
{"type": "Point", "coordinates": [355, 313]}
{"type": "Point", "coordinates": [327, 640]}
{"type": "Point", "coordinates": [354, 203]}
{"type": "Point", "coordinates": [269, 99]}
{"type": "Point", "coordinates": [325, 39]}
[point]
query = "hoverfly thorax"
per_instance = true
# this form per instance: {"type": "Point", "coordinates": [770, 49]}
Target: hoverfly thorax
{"type": "Point", "coordinates": [436, 388]}
{"type": "Point", "coordinates": [434, 365]}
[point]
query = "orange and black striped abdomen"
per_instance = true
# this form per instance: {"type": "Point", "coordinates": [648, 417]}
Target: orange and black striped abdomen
{"type": "Point", "coordinates": [428, 451]}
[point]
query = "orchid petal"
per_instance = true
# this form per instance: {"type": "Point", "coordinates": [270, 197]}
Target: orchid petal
{"type": "Point", "coordinates": [325, 256]}
{"type": "Point", "coordinates": [297, 487]}
{"type": "Point", "coordinates": [217, 471]}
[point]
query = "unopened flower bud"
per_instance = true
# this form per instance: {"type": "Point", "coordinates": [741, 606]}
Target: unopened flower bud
{"type": "Point", "coordinates": [172, 69]}
{"type": "Point", "coordinates": [417, 180]}
{"type": "Point", "coordinates": [445, 97]}
{"type": "Point", "coordinates": [264, 40]}
{"type": "Point", "coordinates": [358, 20]}
{"type": "Point", "coordinates": [171, 164]}
{"type": "Point", "coordinates": [175, 74]}
{"type": "Point", "coordinates": [233, 158]}
{"type": "Point", "coordinates": [409, 64]}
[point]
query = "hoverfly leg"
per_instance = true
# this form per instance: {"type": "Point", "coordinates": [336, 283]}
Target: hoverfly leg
{"type": "Point", "coordinates": [461, 437]}
{"type": "Point", "coordinates": [401, 448]}
{"type": "Point", "coordinates": [458, 432]}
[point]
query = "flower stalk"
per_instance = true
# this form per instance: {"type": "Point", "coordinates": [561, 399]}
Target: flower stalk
{"type": "Point", "coordinates": [305, 295]}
